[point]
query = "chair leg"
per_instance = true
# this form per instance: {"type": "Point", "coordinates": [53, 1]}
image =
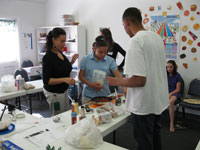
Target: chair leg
{"type": "Point", "coordinates": [25, 98]}
{"type": "Point", "coordinates": [183, 110]}
{"type": "Point", "coordinates": [40, 97]}
{"type": "Point", "coordinates": [16, 102]}
{"type": "Point", "coordinates": [176, 115]}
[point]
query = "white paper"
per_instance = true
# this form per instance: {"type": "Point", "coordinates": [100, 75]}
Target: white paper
{"type": "Point", "coordinates": [44, 138]}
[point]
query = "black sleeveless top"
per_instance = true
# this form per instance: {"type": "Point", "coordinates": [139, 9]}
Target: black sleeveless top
{"type": "Point", "coordinates": [54, 67]}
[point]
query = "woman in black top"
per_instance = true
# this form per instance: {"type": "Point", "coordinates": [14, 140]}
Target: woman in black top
{"type": "Point", "coordinates": [113, 48]}
{"type": "Point", "coordinates": [56, 71]}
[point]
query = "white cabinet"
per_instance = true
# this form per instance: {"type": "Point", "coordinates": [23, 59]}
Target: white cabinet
{"type": "Point", "coordinates": [75, 43]}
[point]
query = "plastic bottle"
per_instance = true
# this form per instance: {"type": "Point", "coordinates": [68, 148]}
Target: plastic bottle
{"type": "Point", "coordinates": [118, 101]}
{"type": "Point", "coordinates": [75, 107]}
{"type": "Point", "coordinates": [82, 113]}
{"type": "Point", "coordinates": [20, 82]}
{"type": "Point", "coordinates": [74, 119]}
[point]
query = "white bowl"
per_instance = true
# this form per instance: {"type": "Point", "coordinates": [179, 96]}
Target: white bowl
{"type": "Point", "coordinates": [6, 121]}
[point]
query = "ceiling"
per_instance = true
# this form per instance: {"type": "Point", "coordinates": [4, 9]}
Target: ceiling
{"type": "Point", "coordinates": [36, 1]}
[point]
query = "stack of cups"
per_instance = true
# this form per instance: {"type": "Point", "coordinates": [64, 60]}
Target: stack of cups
{"type": "Point", "coordinates": [20, 82]}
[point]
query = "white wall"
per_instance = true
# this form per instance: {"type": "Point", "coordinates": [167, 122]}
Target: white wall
{"type": "Point", "coordinates": [29, 15]}
{"type": "Point", "coordinates": [108, 13]}
{"type": "Point", "coordinates": [94, 14]}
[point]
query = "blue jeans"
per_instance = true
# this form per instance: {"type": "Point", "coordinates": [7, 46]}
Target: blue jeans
{"type": "Point", "coordinates": [146, 130]}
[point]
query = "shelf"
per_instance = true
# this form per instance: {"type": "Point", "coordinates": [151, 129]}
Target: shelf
{"type": "Point", "coordinates": [69, 54]}
{"type": "Point", "coordinates": [42, 54]}
{"type": "Point", "coordinates": [51, 27]}
{"type": "Point", "coordinates": [66, 54]}
{"type": "Point", "coordinates": [42, 42]}
{"type": "Point", "coordinates": [75, 41]}
{"type": "Point", "coordinates": [67, 42]}
{"type": "Point", "coordinates": [75, 70]}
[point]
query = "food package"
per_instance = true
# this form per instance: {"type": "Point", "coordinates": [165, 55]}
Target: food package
{"type": "Point", "coordinates": [101, 118]}
{"type": "Point", "coordinates": [28, 86]}
{"type": "Point", "coordinates": [112, 109]}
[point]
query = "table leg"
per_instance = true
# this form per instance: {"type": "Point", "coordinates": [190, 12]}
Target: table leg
{"type": "Point", "coordinates": [30, 104]}
{"type": "Point", "coordinates": [114, 137]}
{"type": "Point", "coordinates": [19, 101]}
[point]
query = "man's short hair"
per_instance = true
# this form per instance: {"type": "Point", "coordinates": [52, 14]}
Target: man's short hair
{"type": "Point", "coordinates": [132, 14]}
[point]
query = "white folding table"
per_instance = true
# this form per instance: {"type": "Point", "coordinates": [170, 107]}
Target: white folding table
{"type": "Point", "coordinates": [198, 146]}
{"type": "Point", "coordinates": [9, 95]}
{"type": "Point", "coordinates": [38, 84]}
{"type": "Point", "coordinates": [31, 124]}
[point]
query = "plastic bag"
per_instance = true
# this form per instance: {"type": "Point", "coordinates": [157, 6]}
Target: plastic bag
{"type": "Point", "coordinates": [84, 134]}
{"type": "Point", "coordinates": [103, 117]}
{"type": "Point", "coordinates": [99, 76]}
{"type": "Point", "coordinates": [8, 83]}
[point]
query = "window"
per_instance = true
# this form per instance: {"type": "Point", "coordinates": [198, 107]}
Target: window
{"type": "Point", "coordinates": [9, 47]}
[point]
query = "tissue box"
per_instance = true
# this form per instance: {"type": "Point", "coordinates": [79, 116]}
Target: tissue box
{"type": "Point", "coordinates": [8, 145]}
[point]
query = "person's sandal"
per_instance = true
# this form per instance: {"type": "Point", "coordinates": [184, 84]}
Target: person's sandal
{"type": "Point", "coordinates": [179, 127]}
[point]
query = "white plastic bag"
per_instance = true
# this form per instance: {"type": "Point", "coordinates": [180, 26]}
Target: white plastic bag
{"type": "Point", "coordinates": [84, 134]}
{"type": "Point", "coordinates": [8, 83]}
{"type": "Point", "coordinates": [99, 76]}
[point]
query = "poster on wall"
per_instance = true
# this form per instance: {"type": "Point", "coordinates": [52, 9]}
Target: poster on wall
{"type": "Point", "coordinates": [28, 41]}
{"type": "Point", "coordinates": [168, 28]}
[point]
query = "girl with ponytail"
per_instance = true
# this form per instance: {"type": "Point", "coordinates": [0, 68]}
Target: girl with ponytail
{"type": "Point", "coordinates": [97, 61]}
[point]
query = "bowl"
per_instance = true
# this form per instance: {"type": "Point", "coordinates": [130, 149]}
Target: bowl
{"type": "Point", "coordinates": [5, 122]}
{"type": "Point", "coordinates": [102, 99]}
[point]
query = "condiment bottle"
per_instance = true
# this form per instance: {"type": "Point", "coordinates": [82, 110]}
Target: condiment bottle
{"type": "Point", "coordinates": [73, 115]}
{"type": "Point", "coordinates": [118, 101]}
{"type": "Point", "coordinates": [75, 107]}
{"type": "Point", "coordinates": [82, 113]}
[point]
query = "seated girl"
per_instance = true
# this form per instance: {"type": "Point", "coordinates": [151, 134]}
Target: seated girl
{"type": "Point", "coordinates": [97, 61]}
{"type": "Point", "coordinates": [174, 84]}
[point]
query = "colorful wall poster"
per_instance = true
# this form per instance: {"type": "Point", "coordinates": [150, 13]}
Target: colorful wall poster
{"type": "Point", "coordinates": [28, 41]}
{"type": "Point", "coordinates": [168, 28]}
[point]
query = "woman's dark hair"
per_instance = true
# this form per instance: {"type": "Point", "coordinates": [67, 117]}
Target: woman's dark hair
{"type": "Point", "coordinates": [174, 66]}
{"type": "Point", "coordinates": [55, 33]}
{"type": "Point", "coordinates": [93, 45]}
{"type": "Point", "coordinates": [100, 41]}
{"type": "Point", "coordinates": [108, 37]}
{"type": "Point", "coordinates": [133, 14]}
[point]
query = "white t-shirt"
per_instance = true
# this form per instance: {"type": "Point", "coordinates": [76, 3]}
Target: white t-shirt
{"type": "Point", "coordinates": [146, 57]}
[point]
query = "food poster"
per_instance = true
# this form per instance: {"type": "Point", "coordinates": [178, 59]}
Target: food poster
{"type": "Point", "coordinates": [167, 26]}
{"type": "Point", "coordinates": [189, 41]}
{"type": "Point", "coordinates": [186, 50]}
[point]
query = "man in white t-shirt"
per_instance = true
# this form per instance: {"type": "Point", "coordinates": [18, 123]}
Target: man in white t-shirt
{"type": "Point", "coordinates": [147, 94]}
